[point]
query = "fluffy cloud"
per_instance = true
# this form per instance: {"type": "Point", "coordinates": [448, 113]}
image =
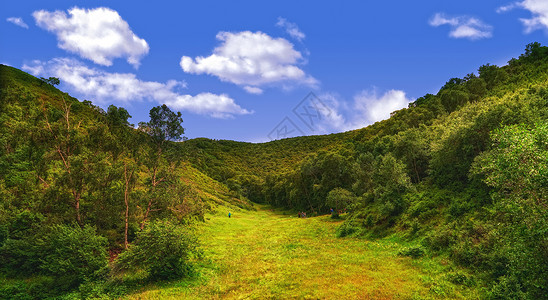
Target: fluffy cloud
{"type": "Point", "coordinates": [18, 21]}
{"type": "Point", "coordinates": [328, 113]}
{"type": "Point", "coordinates": [98, 34]}
{"type": "Point", "coordinates": [538, 9]}
{"type": "Point", "coordinates": [505, 8]}
{"type": "Point", "coordinates": [126, 87]}
{"type": "Point", "coordinates": [253, 90]}
{"type": "Point", "coordinates": [377, 108]}
{"type": "Point", "coordinates": [251, 59]}
{"type": "Point", "coordinates": [291, 28]}
{"type": "Point", "coordinates": [463, 26]}
{"type": "Point", "coordinates": [367, 108]}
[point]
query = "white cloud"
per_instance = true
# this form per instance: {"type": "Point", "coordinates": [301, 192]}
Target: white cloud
{"type": "Point", "coordinates": [463, 26]}
{"type": "Point", "coordinates": [291, 28]}
{"type": "Point", "coordinates": [99, 34]}
{"type": "Point", "coordinates": [251, 60]}
{"type": "Point", "coordinates": [538, 9]}
{"type": "Point", "coordinates": [505, 8]}
{"type": "Point", "coordinates": [367, 108]}
{"type": "Point", "coordinates": [18, 21]}
{"type": "Point", "coordinates": [377, 108]}
{"type": "Point", "coordinates": [126, 87]}
{"type": "Point", "coordinates": [253, 90]}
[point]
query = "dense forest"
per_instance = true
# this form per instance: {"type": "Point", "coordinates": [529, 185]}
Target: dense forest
{"type": "Point", "coordinates": [88, 199]}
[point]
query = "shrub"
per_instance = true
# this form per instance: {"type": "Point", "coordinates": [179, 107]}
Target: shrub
{"type": "Point", "coordinates": [460, 278]}
{"type": "Point", "coordinates": [162, 249]}
{"type": "Point", "coordinates": [439, 239]}
{"type": "Point", "coordinates": [20, 250]}
{"type": "Point", "coordinates": [413, 252]}
{"type": "Point", "coordinates": [74, 255]}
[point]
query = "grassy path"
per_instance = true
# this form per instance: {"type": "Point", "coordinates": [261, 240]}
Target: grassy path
{"type": "Point", "coordinates": [263, 254]}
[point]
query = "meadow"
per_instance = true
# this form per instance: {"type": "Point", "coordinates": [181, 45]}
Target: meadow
{"type": "Point", "coordinates": [273, 254]}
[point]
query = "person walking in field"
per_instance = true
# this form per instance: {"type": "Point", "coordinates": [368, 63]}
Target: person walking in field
{"type": "Point", "coordinates": [229, 214]}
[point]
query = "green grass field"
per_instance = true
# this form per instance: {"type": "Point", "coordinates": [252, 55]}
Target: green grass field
{"type": "Point", "coordinates": [266, 254]}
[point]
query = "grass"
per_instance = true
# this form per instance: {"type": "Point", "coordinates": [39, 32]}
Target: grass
{"type": "Point", "coordinates": [266, 254]}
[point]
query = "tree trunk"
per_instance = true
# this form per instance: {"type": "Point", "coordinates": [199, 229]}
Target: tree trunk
{"type": "Point", "coordinates": [149, 206]}
{"type": "Point", "coordinates": [77, 207]}
{"type": "Point", "coordinates": [126, 200]}
{"type": "Point", "coordinates": [416, 171]}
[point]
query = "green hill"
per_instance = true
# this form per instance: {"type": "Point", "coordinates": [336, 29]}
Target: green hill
{"type": "Point", "coordinates": [56, 150]}
{"type": "Point", "coordinates": [460, 175]}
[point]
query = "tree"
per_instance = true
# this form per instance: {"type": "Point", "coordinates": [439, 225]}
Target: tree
{"type": "Point", "coordinates": [413, 149]}
{"type": "Point", "coordinates": [164, 126]}
{"type": "Point", "coordinates": [126, 149]}
{"type": "Point", "coordinates": [492, 75]}
{"type": "Point", "coordinates": [51, 80]}
{"type": "Point", "coordinates": [518, 165]}
{"type": "Point", "coordinates": [69, 140]}
{"type": "Point", "coordinates": [454, 98]}
{"type": "Point", "coordinates": [517, 168]}
{"type": "Point", "coordinates": [340, 199]}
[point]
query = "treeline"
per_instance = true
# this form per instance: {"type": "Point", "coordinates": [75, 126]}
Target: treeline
{"type": "Point", "coordinates": [463, 172]}
{"type": "Point", "coordinates": [78, 184]}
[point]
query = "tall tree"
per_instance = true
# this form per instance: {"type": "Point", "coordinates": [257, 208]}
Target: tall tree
{"type": "Point", "coordinates": [124, 151]}
{"type": "Point", "coordinates": [164, 126]}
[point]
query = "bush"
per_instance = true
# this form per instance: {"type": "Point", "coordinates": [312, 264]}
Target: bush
{"type": "Point", "coordinates": [74, 255]}
{"type": "Point", "coordinates": [439, 239]}
{"type": "Point", "coordinates": [163, 250]}
{"type": "Point", "coordinates": [59, 258]}
{"type": "Point", "coordinates": [20, 250]}
{"type": "Point", "coordinates": [413, 252]}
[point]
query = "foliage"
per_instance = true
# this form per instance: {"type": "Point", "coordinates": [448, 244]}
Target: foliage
{"type": "Point", "coordinates": [164, 125]}
{"type": "Point", "coordinates": [339, 199]}
{"type": "Point", "coordinates": [163, 250]}
{"type": "Point", "coordinates": [65, 256]}
{"type": "Point", "coordinates": [73, 255]}
{"type": "Point", "coordinates": [51, 80]}
{"type": "Point", "coordinates": [414, 252]}
{"type": "Point", "coordinates": [517, 167]}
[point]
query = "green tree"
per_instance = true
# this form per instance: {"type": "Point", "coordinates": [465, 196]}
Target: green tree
{"type": "Point", "coordinates": [518, 165]}
{"type": "Point", "coordinates": [517, 169]}
{"type": "Point", "coordinates": [454, 98]}
{"type": "Point", "coordinates": [412, 148]}
{"type": "Point", "coordinates": [125, 150]}
{"type": "Point", "coordinates": [340, 199]}
{"type": "Point", "coordinates": [164, 126]}
{"type": "Point", "coordinates": [51, 80]}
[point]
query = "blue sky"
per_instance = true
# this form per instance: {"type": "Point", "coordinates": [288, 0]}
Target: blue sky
{"type": "Point", "coordinates": [254, 71]}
